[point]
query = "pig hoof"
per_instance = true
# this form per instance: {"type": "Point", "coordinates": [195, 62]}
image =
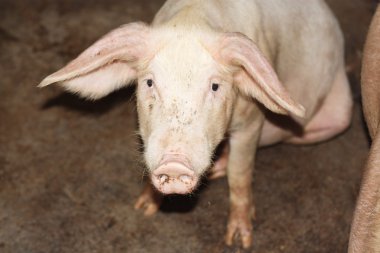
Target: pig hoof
{"type": "Point", "coordinates": [239, 231]}
{"type": "Point", "coordinates": [149, 200]}
{"type": "Point", "coordinates": [149, 206]}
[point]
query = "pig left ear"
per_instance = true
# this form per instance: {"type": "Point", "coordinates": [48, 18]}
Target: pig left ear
{"type": "Point", "coordinates": [255, 76]}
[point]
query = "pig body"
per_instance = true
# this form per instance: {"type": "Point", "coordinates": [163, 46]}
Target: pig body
{"type": "Point", "coordinates": [365, 229]}
{"type": "Point", "coordinates": [209, 70]}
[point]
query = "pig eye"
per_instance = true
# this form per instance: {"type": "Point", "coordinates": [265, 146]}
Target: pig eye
{"type": "Point", "coordinates": [215, 86]}
{"type": "Point", "coordinates": [149, 82]}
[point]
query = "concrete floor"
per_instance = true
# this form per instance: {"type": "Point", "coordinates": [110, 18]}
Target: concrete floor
{"type": "Point", "coordinates": [70, 170]}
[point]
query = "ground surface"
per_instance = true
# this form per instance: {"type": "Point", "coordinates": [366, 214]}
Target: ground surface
{"type": "Point", "coordinates": [70, 170]}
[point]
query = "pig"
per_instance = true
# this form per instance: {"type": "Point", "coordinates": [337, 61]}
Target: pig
{"type": "Point", "coordinates": [252, 73]}
{"type": "Point", "coordinates": [365, 229]}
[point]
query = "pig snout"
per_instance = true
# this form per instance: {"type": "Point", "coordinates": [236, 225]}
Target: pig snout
{"type": "Point", "coordinates": [174, 175]}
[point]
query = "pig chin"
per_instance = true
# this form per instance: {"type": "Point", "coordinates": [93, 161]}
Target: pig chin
{"type": "Point", "coordinates": [174, 175]}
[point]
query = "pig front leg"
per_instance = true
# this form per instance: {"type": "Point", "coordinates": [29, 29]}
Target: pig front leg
{"type": "Point", "coordinates": [243, 144]}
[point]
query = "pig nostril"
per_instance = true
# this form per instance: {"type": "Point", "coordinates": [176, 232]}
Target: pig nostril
{"type": "Point", "coordinates": [163, 178]}
{"type": "Point", "coordinates": [185, 179]}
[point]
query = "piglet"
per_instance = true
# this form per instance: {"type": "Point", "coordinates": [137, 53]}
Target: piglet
{"type": "Point", "coordinates": [365, 229]}
{"type": "Point", "coordinates": [218, 69]}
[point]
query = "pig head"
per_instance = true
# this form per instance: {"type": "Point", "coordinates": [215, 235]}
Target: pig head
{"type": "Point", "coordinates": [187, 83]}
{"type": "Point", "coordinates": [365, 229]}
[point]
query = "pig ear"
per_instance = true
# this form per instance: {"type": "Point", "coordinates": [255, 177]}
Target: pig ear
{"type": "Point", "coordinates": [107, 65]}
{"type": "Point", "coordinates": [255, 76]}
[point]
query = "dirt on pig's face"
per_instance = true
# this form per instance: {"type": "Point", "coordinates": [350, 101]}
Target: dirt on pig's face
{"type": "Point", "coordinates": [184, 100]}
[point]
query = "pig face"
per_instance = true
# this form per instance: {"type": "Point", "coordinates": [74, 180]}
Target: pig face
{"type": "Point", "coordinates": [188, 79]}
{"type": "Point", "coordinates": [184, 101]}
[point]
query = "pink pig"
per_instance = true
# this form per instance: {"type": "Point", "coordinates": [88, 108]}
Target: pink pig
{"type": "Point", "coordinates": [365, 228]}
{"type": "Point", "coordinates": [209, 70]}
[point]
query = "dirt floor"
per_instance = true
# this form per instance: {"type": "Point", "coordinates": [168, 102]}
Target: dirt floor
{"type": "Point", "coordinates": [70, 170]}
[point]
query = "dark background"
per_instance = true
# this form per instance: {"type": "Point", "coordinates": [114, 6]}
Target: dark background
{"type": "Point", "coordinates": [70, 170]}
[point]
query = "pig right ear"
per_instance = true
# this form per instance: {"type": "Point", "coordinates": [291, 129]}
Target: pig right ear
{"type": "Point", "coordinates": [107, 65]}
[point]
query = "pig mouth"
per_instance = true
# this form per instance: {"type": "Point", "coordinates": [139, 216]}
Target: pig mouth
{"type": "Point", "coordinates": [174, 176]}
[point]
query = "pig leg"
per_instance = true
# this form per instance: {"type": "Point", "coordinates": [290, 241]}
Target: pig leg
{"type": "Point", "coordinates": [333, 117]}
{"type": "Point", "coordinates": [149, 199]}
{"type": "Point", "coordinates": [220, 166]}
{"type": "Point", "coordinates": [239, 172]}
